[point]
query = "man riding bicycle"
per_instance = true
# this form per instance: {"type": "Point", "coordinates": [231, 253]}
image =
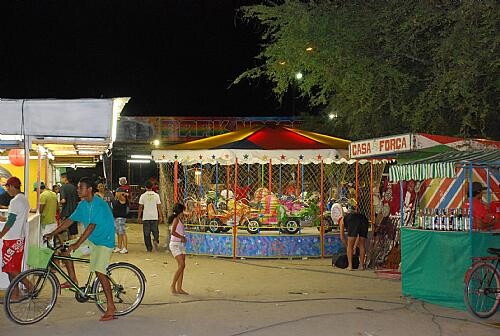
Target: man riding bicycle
{"type": "Point", "coordinates": [97, 219]}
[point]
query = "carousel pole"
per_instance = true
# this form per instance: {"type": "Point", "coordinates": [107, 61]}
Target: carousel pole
{"type": "Point", "coordinates": [235, 226]}
{"type": "Point", "coordinates": [298, 177]}
{"type": "Point", "coordinates": [176, 179]}
{"type": "Point", "coordinates": [357, 184]}
{"type": "Point", "coordinates": [185, 182]}
{"type": "Point", "coordinates": [228, 173]}
{"type": "Point", "coordinates": [302, 181]}
{"type": "Point", "coordinates": [279, 187]}
{"type": "Point", "coordinates": [216, 182]}
{"type": "Point", "coordinates": [321, 209]}
{"type": "Point", "coordinates": [270, 182]}
{"type": "Point", "coordinates": [372, 214]}
{"type": "Point", "coordinates": [201, 179]}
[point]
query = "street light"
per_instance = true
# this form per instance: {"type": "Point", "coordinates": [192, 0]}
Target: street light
{"type": "Point", "coordinates": [298, 75]}
{"type": "Point", "coordinates": [332, 116]}
{"type": "Point", "coordinates": [156, 142]}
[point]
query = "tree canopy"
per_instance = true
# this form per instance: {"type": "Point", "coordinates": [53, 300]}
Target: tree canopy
{"type": "Point", "coordinates": [384, 67]}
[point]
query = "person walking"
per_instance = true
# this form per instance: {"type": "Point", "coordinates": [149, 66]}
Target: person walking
{"type": "Point", "coordinates": [99, 235]}
{"type": "Point", "coordinates": [14, 231]}
{"type": "Point", "coordinates": [178, 247]}
{"type": "Point", "coordinates": [120, 206]}
{"type": "Point", "coordinates": [148, 215]}
{"type": "Point", "coordinates": [69, 201]}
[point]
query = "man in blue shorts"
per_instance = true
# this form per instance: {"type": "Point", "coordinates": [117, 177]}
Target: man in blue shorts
{"type": "Point", "coordinates": [97, 219]}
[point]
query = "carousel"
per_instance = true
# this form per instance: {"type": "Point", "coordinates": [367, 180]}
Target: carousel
{"type": "Point", "coordinates": [265, 191]}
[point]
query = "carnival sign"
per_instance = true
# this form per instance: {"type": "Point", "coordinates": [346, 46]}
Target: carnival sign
{"type": "Point", "coordinates": [381, 146]}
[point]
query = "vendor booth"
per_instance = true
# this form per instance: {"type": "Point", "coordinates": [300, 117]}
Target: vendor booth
{"type": "Point", "coordinates": [265, 185]}
{"type": "Point", "coordinates": [437, 243]}
{"type": "Point", "coordinates": [46, 129]}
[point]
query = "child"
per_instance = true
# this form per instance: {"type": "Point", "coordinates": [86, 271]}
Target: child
{"type": "Point", "coordinates": [178, 247]}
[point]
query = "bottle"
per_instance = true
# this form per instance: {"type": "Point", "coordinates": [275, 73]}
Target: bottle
{"type": "Point", "coordinates": [435, 223]}
{"type": "Point", "coordinates": [466, 219]}
{"type": "Point", "coordinates": [444, 220]}
{"type": "Point", "coordinates": [452, 220]}
{"type": "Point", "coordinates": [420, 221]}
{"type": "Point", "coordinates": [428, 219]}
{"type": "Point", "coordinates": [458, 219]}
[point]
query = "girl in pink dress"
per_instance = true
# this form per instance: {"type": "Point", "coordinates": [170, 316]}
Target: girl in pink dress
{"type": "Point", "coordinates": [178, 247]}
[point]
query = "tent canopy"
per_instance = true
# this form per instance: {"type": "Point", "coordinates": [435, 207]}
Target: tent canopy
{"type": "Point", "coordinates": [258, 144]}
{"type": "Point", "coordinates": [443, 165]}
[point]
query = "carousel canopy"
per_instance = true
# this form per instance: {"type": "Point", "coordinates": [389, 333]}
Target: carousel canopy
{"type": "Point", "coordinates": [259, 144]}
{"type": "Point", "coordinates": [444, 165]}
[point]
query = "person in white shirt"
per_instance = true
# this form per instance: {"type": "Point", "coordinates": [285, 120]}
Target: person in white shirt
{"type": "Point", "coordinates": [14, 230]}
{"type": "Point", "coordinates": [148, 215]}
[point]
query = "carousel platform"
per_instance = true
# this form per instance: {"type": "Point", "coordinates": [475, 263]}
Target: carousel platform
{"type": "Point", "coordinates": [268, 245]}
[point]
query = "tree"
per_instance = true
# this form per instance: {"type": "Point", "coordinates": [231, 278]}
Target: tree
{"type": "Point", "coordinates": [384, 67]}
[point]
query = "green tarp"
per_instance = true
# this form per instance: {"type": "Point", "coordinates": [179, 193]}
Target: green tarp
{"type": "Point", "coordinates": [433, 263]}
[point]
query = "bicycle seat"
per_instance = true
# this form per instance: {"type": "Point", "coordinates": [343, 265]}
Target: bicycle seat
{"type": "Point", "coordinates": [492, 250]}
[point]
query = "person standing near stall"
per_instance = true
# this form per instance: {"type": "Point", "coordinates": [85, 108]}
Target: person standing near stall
{"type": "Point", "coordinates": [69, 201]}
{"type": "Point", "coordinates": [14, 230]}
{"type": "Point", "coordinates": [482, 218]}
{"type": "Point", "coordinates": [120, 206]}
{"type": "Point", "coordinates": [357, 229]}
{"type": "Point", "coordinates": [48, 209]}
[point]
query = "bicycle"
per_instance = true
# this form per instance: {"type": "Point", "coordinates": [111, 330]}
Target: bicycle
{"type": "Point", "coordinates": [482, 283]}
{"type": "Point", "coordinates": [38, 288]}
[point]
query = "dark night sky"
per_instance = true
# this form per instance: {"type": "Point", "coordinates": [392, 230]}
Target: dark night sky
{"type": "Point", "coordinates": [172, 57]}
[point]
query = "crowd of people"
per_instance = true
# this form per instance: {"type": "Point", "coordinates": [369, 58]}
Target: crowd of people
{"type": "Point", "coordinates": [102, 215]}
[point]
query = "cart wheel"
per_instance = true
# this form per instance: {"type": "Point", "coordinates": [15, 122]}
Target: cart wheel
{"type": "Point", "coordinates": [214, 225]}
{"type": "Point", "coordinates": [292, 226]}
{"type": "Point", "coordinates": [253, 226]}
{"type": "Point", "coordinates": [328, 225]}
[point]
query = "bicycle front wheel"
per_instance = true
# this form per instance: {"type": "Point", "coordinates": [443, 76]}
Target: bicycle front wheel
{"type": "Point", "coordinates": [31, 296]}
{"type": "Point", "coordinates": [128, 287]}
{"type": "Point", "coordinates": [481, 293]}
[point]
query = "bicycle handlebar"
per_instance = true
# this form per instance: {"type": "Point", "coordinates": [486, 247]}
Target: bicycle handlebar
{"type": "Point", "coordinates": [63, 247]}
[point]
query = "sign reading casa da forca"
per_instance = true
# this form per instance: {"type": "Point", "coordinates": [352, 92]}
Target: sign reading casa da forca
{"type": "Point", "coordinates": [380, 146]}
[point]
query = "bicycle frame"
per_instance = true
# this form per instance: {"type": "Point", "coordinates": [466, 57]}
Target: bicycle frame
{"type": "Point", "coordinates": [65, 275]}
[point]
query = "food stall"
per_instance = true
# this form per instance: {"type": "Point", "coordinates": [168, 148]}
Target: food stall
{"type": "Point", "coordinates": [265, 184]}
{"type": "Point", "coordinates": [438, 243]}
{"type": "Point", "coordinates": [50, 128]}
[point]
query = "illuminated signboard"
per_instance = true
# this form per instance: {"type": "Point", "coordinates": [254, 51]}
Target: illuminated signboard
{"type": "Point", "coordinates": [381, 146]}
{"type": "Point", "coordinates": [174, 130]}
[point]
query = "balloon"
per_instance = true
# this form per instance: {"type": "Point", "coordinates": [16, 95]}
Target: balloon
{"type": "Point", "coordinates": [16, 157]}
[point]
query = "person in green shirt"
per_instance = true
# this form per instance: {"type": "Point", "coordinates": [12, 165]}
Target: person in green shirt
{"type": "Point", "coordinates": [48, 209]}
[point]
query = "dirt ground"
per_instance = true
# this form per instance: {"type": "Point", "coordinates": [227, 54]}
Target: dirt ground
{"type": "Point", "coordinates": [255, 297]}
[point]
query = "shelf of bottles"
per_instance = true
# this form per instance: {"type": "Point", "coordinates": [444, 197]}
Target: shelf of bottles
{"type": "Point", "coordinates": [442, 219]}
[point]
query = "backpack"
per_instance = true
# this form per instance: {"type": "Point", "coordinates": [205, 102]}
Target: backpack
{"type": "Point", "coordinates": [340, 259]}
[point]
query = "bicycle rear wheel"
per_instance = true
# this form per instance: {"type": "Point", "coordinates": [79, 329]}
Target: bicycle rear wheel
{"type": "Point", "coordinates": [31, 296]}
{"type": "Point", "coordinates": [128, 286]}
{"type": "Point", "coordinates": [481, 293]}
